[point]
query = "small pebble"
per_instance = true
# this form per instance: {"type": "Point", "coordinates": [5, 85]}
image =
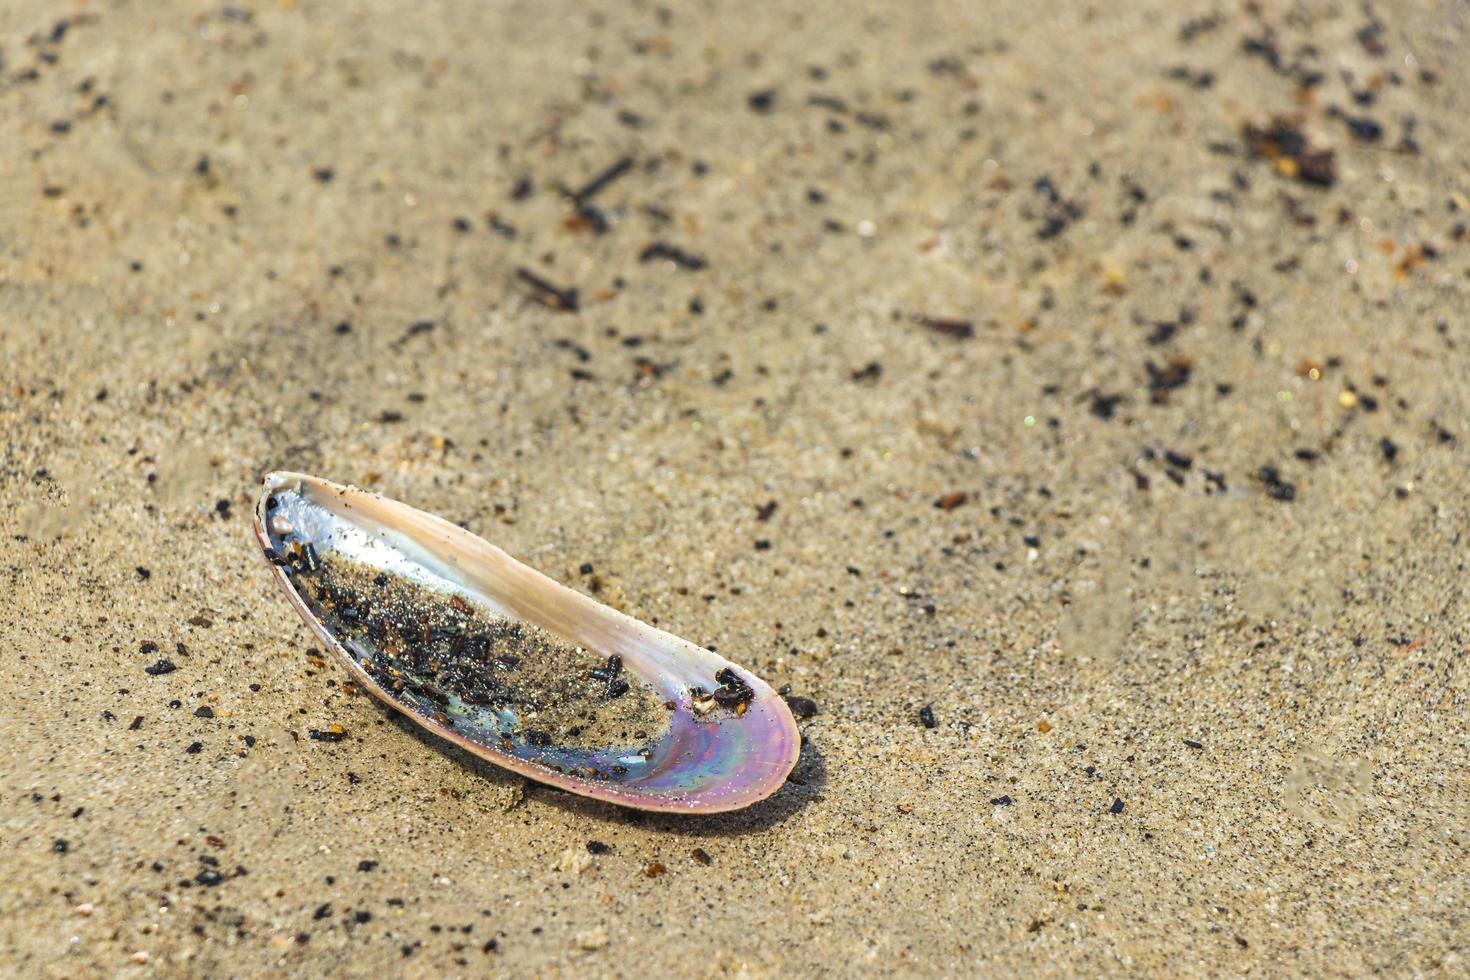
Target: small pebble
{"type": "Point", "coordinates": [801, 708]}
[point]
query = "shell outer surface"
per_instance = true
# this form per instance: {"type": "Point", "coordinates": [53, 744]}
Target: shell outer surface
{"type": "Point", "coordinates": [514, 667]}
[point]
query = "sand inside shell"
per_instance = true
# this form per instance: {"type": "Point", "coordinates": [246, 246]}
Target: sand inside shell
{"type": "Point", "coordinates": [489, 677]}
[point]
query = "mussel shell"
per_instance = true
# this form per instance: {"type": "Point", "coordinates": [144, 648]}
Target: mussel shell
{"type": "Point", "coordinates": [722, 739]}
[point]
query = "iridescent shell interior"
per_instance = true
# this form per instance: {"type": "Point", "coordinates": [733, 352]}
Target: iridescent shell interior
{"type": "Point", "coordinates": [527, 673]}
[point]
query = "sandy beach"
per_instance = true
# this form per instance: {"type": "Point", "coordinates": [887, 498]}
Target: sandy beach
{"type": "Point", "coordinates": [1072, 401]}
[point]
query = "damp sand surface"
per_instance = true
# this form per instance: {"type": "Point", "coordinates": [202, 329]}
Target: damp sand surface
{"type": "Point", "coordinates": [1066, 403]}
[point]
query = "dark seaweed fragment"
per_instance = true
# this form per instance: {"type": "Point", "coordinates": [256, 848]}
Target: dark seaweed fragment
{"type": "Point", "coordinates": [1276, 487]}
{"type": "Point", "coordinates": [733, 692]}
{"type": "Point", "coordinates": [1282, 142]}
{"type": "Point", "coordinates": [663, 250]}
{"type": "Point", "coordinates": [1162, 380]}
{"type": "Point", "coordinates": [563, 300]}
{"type": "Point", "coordinates": [594, 186]}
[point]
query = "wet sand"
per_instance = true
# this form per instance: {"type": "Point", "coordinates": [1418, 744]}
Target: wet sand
{"type": "Point", "coordinates": [1071, 402]}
